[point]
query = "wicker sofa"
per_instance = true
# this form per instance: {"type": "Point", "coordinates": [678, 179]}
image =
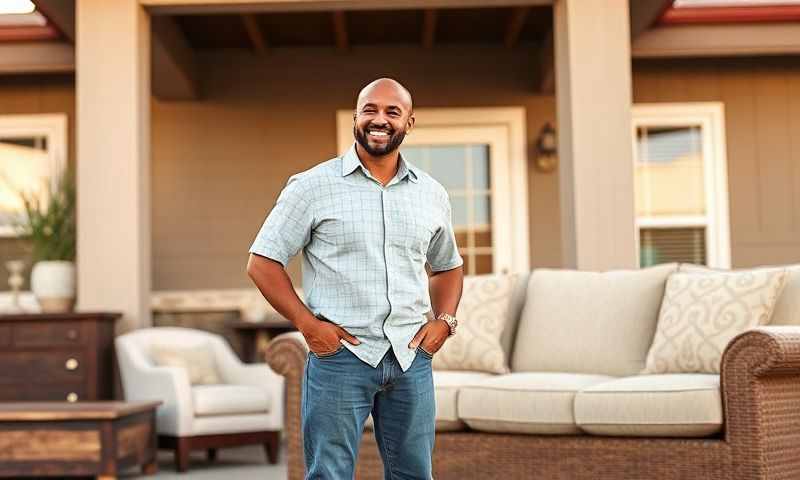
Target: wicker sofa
{"type": "Point", "coordinates": [747, 423]}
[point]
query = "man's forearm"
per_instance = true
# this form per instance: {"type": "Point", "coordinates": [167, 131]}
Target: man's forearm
{"type": "Point", "coordinates": [275, 285]}
{"type": "Point", "coordinates": [445, 290]}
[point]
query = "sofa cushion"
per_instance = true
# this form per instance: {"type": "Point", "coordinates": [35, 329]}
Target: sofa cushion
{"type": "Point", "coordinates": [702, 312]}
{"type": "Point", "coordinates": [787, 308]}
{"type": "Point", "coordinates": [589, 322]}
{"type": "Point", "coordinates": [482, 317]}
{"type": "Point", "coordinates": [446, 386]}
{"type": "Point", "coordinates": [229, 399]}
{"type": "Point", "coordinates": [524, 402]}
{"type": "Point", "coordinates": [671, 405]}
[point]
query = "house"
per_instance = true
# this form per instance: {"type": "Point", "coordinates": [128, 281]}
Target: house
{"type": "Point", "coordinates": [677, 127]}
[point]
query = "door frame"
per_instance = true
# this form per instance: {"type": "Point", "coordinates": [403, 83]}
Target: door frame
{"type": "Point", "coordinates": [515, 257]}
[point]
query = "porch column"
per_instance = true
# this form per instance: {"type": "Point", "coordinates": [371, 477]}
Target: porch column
{"type": "Point", "coordinates": [593, 96]}
{"type": "Point", "coordinates": [113, 164]}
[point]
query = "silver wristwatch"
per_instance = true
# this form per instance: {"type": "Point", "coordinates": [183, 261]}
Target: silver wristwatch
{"type": "Point", "coordinates": [450, 320]}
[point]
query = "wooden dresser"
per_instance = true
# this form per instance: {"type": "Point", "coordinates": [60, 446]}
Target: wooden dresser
{"type": "Point", "coordinates": [57, 356]}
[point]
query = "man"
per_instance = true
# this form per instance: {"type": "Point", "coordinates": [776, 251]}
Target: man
{"type": "Point", "coordinates": [367, 223]}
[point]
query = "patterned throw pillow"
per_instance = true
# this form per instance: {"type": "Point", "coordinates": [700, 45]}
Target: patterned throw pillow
{"type": "Point", "coordinates": [198, 362]}
{"type": "Point", "coordinates": [702, 312]}
{"type": "Point", "coordinates": [482, 314]}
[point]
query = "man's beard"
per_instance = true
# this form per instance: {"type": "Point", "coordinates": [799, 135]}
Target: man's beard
{"type": "Point", "coordinates": [393, 144]}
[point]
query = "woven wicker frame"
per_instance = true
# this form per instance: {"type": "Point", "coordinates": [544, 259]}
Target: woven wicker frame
{"type": "Point", "coordinates": [761, 402]}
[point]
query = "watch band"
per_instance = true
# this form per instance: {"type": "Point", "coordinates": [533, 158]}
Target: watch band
{"type": "Point", "coordinates": [450, 320]}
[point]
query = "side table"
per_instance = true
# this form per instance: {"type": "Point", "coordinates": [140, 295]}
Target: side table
{"type": "Point", "coordinates": [251, 333]}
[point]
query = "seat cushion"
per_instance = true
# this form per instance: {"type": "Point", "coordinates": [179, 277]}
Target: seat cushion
{"type": "Point", "coordinates": [669, 405]}
{"type": "Point", "coordinates": [446, 386]}
{"type": "Point", "coordinates": [589, 322]}
{"type": "Point", "coordinates": [229, 399]}
{"type": "Point", "coordinates": [524, 402]}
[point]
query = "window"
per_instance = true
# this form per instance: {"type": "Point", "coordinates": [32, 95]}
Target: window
{"type": "Point", "coordinates": [32, 152]}
{"type": "Point", "coordinates": [680, 177]}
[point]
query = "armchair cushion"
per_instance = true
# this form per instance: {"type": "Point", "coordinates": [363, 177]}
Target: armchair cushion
{"type": "Point", "coordinates": [671, 405]}
{"type": "Point", "coordinates": [198, 360]}
{"type": "Point", "coordinates": [230, 399]}
{"type": "Point", "coordinates": [539, 403]}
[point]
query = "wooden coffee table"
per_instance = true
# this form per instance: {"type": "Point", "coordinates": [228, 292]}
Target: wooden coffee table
{"type": "Point", "coordinates": [85, 438]}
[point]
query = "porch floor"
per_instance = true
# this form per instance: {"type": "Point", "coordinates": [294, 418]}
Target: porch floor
{"type": "Point", "coordinates": [241, 463]}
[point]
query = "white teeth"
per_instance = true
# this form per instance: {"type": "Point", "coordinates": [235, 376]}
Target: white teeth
{"type": "Point", "coordinates": [378, 134]}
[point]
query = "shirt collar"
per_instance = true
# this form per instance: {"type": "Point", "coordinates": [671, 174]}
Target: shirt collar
{"type": "Point", "coordinates": [350, 162]}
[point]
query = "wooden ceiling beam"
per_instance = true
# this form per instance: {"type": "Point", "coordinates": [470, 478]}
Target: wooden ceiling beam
{"type": "Point", "coordinates": [174, 74]}
{"type": "Point", "coordinates": [36, 57]}
{"type": "Point", "coordinates": [516, 22]}
{"type": "Point", "coordinates": [340, 30]}
{"type": "Point", "coordinates": [254, 32]}
{"type": "Point", "coordinates": [60, 13]}
{"type": "Point", "coordinates": [429, 28]}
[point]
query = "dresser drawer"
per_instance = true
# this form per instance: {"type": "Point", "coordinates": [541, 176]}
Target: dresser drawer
{"type": "Point", "coordinates": [42, 334]}
{"type": "Point", "coordinates": [69, 392]}
{"type": "Point", "coordinates": [5, 335]}
{"type": "Point", "coordinates": [57, 366]}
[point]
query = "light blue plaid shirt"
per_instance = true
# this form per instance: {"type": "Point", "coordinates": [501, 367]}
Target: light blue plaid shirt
{"type": "Point", "coordinates": [364, 249]}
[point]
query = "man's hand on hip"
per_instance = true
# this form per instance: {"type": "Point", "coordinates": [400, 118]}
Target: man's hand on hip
{"type": "Point", "coordinates": [324, 336]}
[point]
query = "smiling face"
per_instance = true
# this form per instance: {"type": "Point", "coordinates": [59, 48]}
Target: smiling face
{"type": "Point", "coordinates": [383, 117]}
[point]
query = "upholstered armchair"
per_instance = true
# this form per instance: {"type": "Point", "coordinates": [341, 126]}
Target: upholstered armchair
{"type": "Point", "coordinates": [228, 404]}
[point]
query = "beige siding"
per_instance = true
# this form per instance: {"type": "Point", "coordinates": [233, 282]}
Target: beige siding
{"type": "Point", "coordinates": [762, 103]}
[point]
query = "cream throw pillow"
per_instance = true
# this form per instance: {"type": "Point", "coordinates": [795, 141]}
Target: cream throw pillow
{"type": "Point", "coordinates": [702, 312]}
{"type": "Point", "coordinates": [197, 360]}
{"type": "Point", "coordinates": [482, 315]}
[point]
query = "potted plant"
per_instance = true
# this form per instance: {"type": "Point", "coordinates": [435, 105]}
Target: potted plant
{"type": "Point", "coordinates": [48, 224]}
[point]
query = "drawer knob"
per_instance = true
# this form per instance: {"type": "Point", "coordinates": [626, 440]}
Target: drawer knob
{"type": "Point", "coordinates": [72, 397]}
{"type": "Point", "coordinates": [71, 364]}
{"type": "Point", "coordinates": [72, 334]}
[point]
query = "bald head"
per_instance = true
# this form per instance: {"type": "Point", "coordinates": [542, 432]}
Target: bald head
{"type": "Point", "coordinates": [383, 116]}
{"type": "Point", "coordinates": [388, 90]}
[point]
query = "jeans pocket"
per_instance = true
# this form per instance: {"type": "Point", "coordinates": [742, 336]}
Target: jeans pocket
{"type": "Point", "coordinates": [327, 354]}
{"type": "Point", "coordinates": [424, 352]}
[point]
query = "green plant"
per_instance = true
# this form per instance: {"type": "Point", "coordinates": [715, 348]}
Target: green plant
{"type": "Point", "coordinates": [49, 225]}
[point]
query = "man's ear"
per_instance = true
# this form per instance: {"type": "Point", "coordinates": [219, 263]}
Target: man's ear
{"type": "Point", "coordinates": [410, 124]}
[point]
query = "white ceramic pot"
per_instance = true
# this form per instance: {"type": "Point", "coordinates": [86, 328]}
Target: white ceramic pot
{"type": "Point", "coordinates": [53, 284]}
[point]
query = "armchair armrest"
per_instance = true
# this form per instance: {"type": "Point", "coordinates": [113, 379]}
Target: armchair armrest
{"type": "Point", "coordinates": [171, 386]}
{"type": "Point", "coordinates": [286, 354]}
{"type": "Point", "coordinates": [761, 400]}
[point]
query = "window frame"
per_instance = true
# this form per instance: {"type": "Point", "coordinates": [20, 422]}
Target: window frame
{"type": "Point", "coordinates": [710, 118]}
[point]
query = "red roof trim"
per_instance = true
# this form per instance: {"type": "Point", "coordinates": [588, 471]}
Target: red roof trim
{"type": "Point", "coordinates": [775, 13]}
{"type": "Point", "coordinates": [28, 34]}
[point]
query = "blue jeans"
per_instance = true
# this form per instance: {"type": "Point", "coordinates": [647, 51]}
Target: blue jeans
{"type": "Point", "coordinates": [340, 391]}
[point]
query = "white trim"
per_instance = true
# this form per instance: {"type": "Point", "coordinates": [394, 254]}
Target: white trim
{"type": "Point", "coordinates": [710, 117]}
{"type": "Point", "coordinates": [504, 129]}
{"type": "Point", "coordinates": [53, 127]}
{"type": "Point", "coordinates": [672, 221]}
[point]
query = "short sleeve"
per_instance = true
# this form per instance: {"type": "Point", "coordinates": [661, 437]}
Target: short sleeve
{"type": "Point", "coordinates": [288, 226]}
{"type": "Point", "coordinates": [443, 251]}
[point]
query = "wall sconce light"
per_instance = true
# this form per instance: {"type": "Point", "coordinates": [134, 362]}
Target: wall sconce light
{"type": "Point", "coordinates": [546, 155]}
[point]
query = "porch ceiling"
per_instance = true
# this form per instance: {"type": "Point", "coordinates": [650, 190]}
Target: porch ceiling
{"type": "Point", "coordinates": [507, 25]}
